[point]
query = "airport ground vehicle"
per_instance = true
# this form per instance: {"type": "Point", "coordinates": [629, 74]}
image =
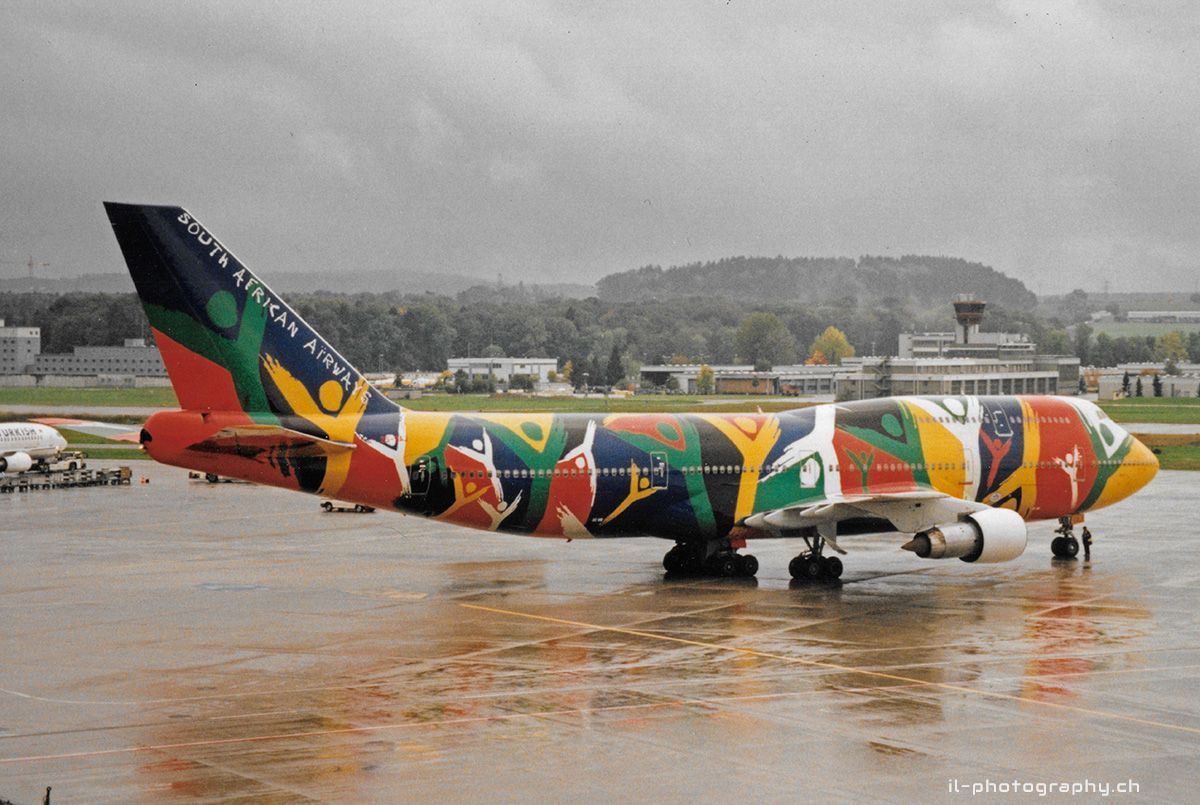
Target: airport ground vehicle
{"type": "Point", "coordinates": [339, 506]}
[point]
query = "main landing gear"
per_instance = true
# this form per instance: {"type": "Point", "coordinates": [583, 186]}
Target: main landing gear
{"type": "Point", "coordinates": [1064, 546]}
{"type": "Point", "coordinates": [716, 558]}
{"type": "Point", "coordinates": [813, 565]}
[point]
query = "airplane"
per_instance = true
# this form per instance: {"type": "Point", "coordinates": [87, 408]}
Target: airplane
{"type": "Point", "coordinates": [24, 445]}
{"type": "Point", "coordinates": [265, 398]}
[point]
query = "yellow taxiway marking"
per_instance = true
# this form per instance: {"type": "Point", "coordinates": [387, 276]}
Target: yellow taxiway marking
{"type": "Point", "coordinates": [829, 666]}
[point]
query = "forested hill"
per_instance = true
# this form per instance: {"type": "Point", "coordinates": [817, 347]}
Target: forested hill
{"type": "Point", "coordinates": [924, 281]}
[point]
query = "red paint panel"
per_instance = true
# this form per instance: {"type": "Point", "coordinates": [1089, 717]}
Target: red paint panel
{"type": "Point", "coordinates": [885, 472]}
{"type": "Point", "coordinates": [649, 425]}
{"type": "Point", "coordinates": [200, 384]}
{"type": "Point", "coordinates": [373, 478]}
{"type": "Point", "coordinates": [1064, 457]}
{"type": "Point", "coordinates": [571, 496]}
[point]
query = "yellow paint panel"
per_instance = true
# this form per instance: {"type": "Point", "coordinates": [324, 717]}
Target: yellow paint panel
{"type": "Point", "coordinates": [753, 436]}
{"type": "Point", "coordinates": [422, 433]}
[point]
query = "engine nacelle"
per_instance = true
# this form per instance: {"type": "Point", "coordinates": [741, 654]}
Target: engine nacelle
{"type": "Point", "coordinates": [991, 535]}
{"type": "Point", "coordinates": [17, 462]}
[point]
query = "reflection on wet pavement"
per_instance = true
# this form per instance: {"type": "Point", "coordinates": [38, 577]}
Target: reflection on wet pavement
{"type": "Point", "coordinates": [225, 643]}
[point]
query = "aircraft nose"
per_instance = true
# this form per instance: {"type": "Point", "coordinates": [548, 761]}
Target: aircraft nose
{"type": "Point", "coordinates": [1145, 463]}
{"type": "Point", "coordinates": [1137, 468]}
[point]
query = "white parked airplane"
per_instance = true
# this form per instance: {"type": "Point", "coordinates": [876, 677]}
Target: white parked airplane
{"type": "Point", "coordinates": [24, 444]}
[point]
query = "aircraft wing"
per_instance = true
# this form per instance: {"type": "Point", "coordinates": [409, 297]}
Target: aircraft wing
{"type": "Point", "coordinates": [104, 430]}
{"type": "Point", "coordinates": [910, 512]}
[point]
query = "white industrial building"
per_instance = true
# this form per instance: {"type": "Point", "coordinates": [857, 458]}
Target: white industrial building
{"type": "Point", "coordinates": [504, 368]}
{"type": "Point", "coordinates": [22, 362]}
{"type": "Point", "coordinates": [133, 358]}
{"type": "Point", "coordinates": [19, 348]}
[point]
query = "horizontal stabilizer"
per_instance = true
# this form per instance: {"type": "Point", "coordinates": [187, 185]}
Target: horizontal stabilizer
{"type": "Point", "coordinates": [258, 438]}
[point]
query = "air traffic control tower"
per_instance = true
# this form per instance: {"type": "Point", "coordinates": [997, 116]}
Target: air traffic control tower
{"type": "Point", "coordinates": [969, 313]}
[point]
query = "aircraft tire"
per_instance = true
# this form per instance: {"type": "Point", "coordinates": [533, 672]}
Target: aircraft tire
{"type": "Point", "coordinates": [677, 560]}
{"type": "Point", "coordinates": [832, 567]}
{"type": "Point", "coordinates": [813, 568]}
{"type": "Point", "coordinates": [796, 567]}
{"type": "Point", "coordinates": [747, 565]}
{"type": "Point", "coordinates": [1070, 547]}
{"type": "Point", "coordinates": [723, 565]}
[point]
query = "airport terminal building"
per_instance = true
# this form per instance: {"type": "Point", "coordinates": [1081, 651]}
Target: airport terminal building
{"type": "Point", "coordinates": [965, 361]}
{"type": "Point", "coordinates": [22, 362]}
{"type": "Point", "coordinates": [885, 377]}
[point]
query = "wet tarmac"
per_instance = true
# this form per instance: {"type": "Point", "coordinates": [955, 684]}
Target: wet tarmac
{"type": "Point", "coordinates": [185, 642]}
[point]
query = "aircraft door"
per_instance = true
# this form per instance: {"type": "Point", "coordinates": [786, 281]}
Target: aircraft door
{"type": "Point", "coordinates": [659, 471]}
{"type": "Point", "coordinates": [420, 474]}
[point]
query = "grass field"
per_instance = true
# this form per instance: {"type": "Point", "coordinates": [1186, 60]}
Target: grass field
{"type": "Point", "coordinates": [86, 399]}
{"type": "Point", "coordinates": [109, 455]}
{"type": "Point", "coordinates": [1175, 451]}
{"type": "Point", "coordinates": [118, 451]}
{"type": "Point", "coordinates": [655, 404]}
{"type": "Point", "coordinates": [95, 400]}
{"type": "Point", "coordinates": [1163, 410]}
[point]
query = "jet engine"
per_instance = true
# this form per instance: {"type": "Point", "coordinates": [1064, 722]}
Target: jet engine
{"type": "Point", "coordinates": [17, 462]}
{"type": "Point", "coordinates": [991, 535]}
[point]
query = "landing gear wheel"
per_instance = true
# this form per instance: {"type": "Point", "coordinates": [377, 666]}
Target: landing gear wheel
{"type": "Point", "coordinates": [813, 569]}
{"type": "Point", "coordinates": [796, 567]}
{"type": "Point", "coordinates": [1064, 547]}
{"type": "Point", "coordinates": [724, 565]}
{"type": "Point", "coordinates": [747, 565]}
{"type": "Point", "coordinates": [676, 560]}
{"type": "Point", "coordinates": [832, 567]}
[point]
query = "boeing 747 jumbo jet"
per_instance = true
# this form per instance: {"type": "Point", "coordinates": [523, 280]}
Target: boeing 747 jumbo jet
{"type": "Point", "coordinates": [25, 444]}
{"type": "Point", "coordinates": [264, 398]}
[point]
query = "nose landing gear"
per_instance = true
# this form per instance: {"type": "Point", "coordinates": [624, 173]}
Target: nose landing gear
{"type": "Point", "coordinates": [1064, 546]}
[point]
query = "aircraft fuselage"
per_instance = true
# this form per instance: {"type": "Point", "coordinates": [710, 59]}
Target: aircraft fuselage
{"type": "Point", "coordinates": [690, 476]}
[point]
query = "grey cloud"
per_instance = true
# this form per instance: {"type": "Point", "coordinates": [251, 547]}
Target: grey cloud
{"type": "Point", "coordinates": [1054, 140]}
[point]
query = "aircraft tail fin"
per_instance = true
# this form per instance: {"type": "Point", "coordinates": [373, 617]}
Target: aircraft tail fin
{"type": "Point", "coordinates": [229, 343]}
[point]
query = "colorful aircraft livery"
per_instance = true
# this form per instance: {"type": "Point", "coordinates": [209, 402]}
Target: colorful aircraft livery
{"type": "Point", "coordinates": [264, 398]}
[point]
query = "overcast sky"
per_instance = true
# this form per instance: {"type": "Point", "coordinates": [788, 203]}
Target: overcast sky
{"type": "Point", "coordinates": [560, 141]}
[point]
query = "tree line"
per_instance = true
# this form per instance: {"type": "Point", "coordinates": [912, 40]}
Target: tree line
{"type": "Point", "coordinates": [397, 332]}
